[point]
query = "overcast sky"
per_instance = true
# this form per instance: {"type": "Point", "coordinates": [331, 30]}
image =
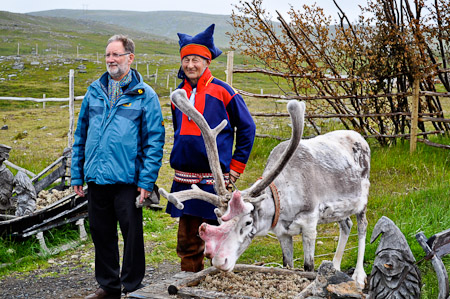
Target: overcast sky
{"type": "Point", "coordinates": [204, 6]}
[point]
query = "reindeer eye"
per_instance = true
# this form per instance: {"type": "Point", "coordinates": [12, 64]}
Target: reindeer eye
{"type": "Point", "coordinates": [248, 223]}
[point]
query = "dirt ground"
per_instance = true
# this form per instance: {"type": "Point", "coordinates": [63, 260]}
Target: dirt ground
{"type": "Point", "coordinates": [71, 275]}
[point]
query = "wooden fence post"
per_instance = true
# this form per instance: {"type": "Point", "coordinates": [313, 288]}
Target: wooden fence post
{"type": "Point", "coordinates": [71, 109]}
{"type": "Point", "coordinates": [43, 103]}
{"type": "Point", "coordinates": [414, 115]}
{"type": "Point", "coordinates": [230, 57]}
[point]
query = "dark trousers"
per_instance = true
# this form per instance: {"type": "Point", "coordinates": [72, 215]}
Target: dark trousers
{"type": "Point", "coordinates": [107, 205]}
{"type": "Point", "coordinates": [190, 246]}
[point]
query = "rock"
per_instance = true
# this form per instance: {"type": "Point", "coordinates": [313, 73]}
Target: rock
{"type": "Point", "coordinates": [18, 66]}
{"type": "Point", "coordinates": [331, 283]}
{"type": "Point", "coordinates": [347, 289]}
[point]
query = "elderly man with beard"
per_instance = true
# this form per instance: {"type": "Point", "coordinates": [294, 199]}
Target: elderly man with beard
{"type": "Point", "coordinates": [118, 151]}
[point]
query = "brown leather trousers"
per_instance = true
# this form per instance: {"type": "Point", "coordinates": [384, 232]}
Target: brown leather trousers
{"type": "Point", "coordinates": [190, 246]}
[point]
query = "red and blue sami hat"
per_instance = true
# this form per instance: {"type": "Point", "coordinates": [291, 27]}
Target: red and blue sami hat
{"type": "Point", "coordinates": [201, 44]}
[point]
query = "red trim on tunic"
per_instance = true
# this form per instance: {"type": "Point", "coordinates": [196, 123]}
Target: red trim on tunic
{"type": "Point", "coordinates": [221, 94]}
{"type": "Point", "coordinates": [237, 166]}
{"type": "Point", "coordinates": [188, 127]}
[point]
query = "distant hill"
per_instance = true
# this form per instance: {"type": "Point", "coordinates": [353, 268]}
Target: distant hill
{"type": "Point", "coordinates": [66, 34]}
{"type": "Point", "coordinates": [165, 24]}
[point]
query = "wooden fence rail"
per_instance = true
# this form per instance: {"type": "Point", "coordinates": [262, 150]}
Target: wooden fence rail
{"type": "Point", "coordinates": [71, 99]}
{"type": "Point", "coordinates": [415, 94]}
{"type": "Point", "coordinates": [41, 100]}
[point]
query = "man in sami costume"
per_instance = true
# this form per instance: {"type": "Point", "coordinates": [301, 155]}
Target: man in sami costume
{"type": "Point", "coordinates": [216, 101]}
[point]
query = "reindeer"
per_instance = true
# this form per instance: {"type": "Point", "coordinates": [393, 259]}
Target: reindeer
{"type": "Point", "coordinates": [326, 180]}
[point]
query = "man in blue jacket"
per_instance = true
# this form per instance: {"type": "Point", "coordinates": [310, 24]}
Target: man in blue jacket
{"type": "Point", "coordinates": [216, 101]}
{"type": "Point", "coordinates": [117, 151]}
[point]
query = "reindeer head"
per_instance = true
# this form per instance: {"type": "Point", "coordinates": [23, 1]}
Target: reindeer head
{"type": "Point", "coordinates": [226, 242]}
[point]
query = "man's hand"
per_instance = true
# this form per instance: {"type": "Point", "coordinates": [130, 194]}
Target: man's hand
{"type": "Point", "coordinates": [79, 190]}
{"type": "Point", "coordinates": [234, 176]}
{"type": "Point", "coordinates": [144, 194]}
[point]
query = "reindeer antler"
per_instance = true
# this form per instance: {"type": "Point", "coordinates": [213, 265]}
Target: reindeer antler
{"type": "Point", "coordinates": [180, 100]}
{"type": "Point", "coordinates": [296, 110]}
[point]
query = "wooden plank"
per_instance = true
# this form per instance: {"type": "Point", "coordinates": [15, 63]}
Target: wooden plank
{"type": "Point", "coordinates": [198, 293]}
{"type": "Point", "coordinates": [55, 224]}
{"type": "Point", "coordinates": [438, 266]}
{"type": "Point", "coordinates": [17, 225]}
{"type": "Point", "coordinates": [81, 209]}
{"type": "Point", "coordinates": [48, 180]}
{"type": "Point", "coordinates": [12, 165]}
{"type": "Point", "coordinates": [440, 243]}
{"type": "Point", "coordinates": [43, 172]}
{"type": "Point", "coordinates": [272, 270]}
{"type": "Point", "coordinates": [414, 115]}
{"type": "Point", "coordinates": [38, 100]}
{"type": "Point", "coordinates": [230, 58]}
{"type": "Point", "coordinates": [71, 108]}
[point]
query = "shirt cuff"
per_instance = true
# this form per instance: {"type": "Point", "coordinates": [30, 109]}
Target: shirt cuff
{"type": "Point", "coordinates": [237, 166]}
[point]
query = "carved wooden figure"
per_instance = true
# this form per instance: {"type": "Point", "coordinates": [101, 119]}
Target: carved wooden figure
{"type": "Point", "coordinates": [26, 195]}
{"type": "Point", "coordinates": [394, 273]}
{"type": "Point", "coordinates": [6, 180]}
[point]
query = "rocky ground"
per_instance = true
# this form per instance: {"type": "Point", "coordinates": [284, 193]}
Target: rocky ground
{"type": "Point", "coordinates": [70, 275]}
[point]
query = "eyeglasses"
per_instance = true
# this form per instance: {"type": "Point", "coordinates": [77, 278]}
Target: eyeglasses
{"type": "Point", "coordinates": [115, 55]}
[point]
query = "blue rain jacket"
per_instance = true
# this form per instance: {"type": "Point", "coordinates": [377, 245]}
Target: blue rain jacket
{"type": "Point", "coordinates": [122, 145]}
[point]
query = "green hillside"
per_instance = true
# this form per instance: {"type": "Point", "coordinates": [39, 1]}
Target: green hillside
{"type": "Point", "coordinates": [161, 23]}
{"type": "Point", "coordinates": [61, 36]}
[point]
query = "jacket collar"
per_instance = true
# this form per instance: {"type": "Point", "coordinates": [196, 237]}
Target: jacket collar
{"type": "Point", "coordinates": [202, 83]}
{"type": "Point", "coordinates": [135, 80]}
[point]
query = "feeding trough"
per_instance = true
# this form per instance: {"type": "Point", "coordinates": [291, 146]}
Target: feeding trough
{"type": "Point", "coordinates": [198, 285]}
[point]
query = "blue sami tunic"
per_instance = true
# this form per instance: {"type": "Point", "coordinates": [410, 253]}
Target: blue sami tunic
{"type": "Point", "coordinates": [216, 100]}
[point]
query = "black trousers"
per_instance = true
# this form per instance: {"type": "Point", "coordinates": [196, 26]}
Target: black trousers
{"type": "Point", "coordinates": [107, 205]}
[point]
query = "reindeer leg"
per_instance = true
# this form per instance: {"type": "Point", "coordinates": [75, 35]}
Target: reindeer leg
{"type": "Point", "coordinates": [360, 275]}
{"type": "Point", "coordinates": [344, 232]}
{"type": "Point", "coordinates": [287, 248]}
{"type": "Point", "coordinates": [309, 234]}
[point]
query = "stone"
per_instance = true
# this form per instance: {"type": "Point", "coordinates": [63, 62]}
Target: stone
{"type": "Point", "coordinates": [331, 283]}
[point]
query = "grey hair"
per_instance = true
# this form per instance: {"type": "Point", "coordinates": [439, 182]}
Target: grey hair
{"type": "Point", "coordinates": [127, 42]}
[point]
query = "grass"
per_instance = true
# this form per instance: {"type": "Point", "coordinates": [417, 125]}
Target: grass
{"type": "Point", "coordinates": [410, 189]}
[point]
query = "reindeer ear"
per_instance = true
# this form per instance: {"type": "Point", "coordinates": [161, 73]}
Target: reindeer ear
{"type": "Point", "coordinates": [237, 206]}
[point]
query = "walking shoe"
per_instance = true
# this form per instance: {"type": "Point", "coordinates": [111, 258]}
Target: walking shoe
{"type": "Point", "coordinates": [102, 294]}
{"type": "Point", "coordinates": [140, 286]}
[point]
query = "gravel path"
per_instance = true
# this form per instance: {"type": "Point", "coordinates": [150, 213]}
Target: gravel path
{"type": "Point", "coordinates": [70, 275]}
